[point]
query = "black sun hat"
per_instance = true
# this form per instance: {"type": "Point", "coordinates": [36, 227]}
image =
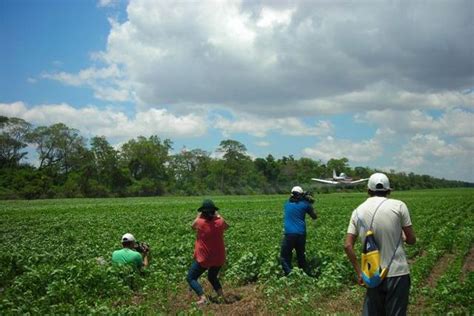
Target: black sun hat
{"type": "Point", "coordinates": [207, 205]}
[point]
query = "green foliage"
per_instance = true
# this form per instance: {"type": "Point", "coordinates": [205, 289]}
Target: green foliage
{"type": "Point", "coordinates": [13, 138]}
{"type": "Point", "coordinates": [53, 253]}
{"type": "Point", "coordinates": [145, 167]}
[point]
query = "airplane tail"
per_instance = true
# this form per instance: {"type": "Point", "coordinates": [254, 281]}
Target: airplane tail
{"type": "Point", "coordinates": [334, 173]}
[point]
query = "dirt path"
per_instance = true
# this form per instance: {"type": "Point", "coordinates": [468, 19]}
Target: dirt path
{"type": "Point", "coordinates": [421, 306]}
{"type": "Point", "coordinates": [468, 264]}
{"type": "Point", "coordinates": [243, 300]}
{"type": "Point", "coordinates": [439, 269]}
{"type": "Point", "coordinates": [346, 302]}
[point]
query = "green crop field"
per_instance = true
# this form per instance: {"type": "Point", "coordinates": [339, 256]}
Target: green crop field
{"type": "Point", "coordinates": [51, 250]}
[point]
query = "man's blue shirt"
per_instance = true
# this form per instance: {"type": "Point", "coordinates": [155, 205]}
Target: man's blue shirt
{"type": "Point", "coordinates": [294, 216]}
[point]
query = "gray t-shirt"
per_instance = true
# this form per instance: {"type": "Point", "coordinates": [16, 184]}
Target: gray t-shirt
{"type": "Point", "coordinates": [387, 227]}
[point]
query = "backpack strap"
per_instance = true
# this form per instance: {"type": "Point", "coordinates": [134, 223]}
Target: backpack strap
{"type": "Point", "coordinates": [370, 228]}
{"type": "Point", "coordinates": [373, 216]}
{"type": "Point", "coordinates": [372, 221]}
{"type": "Point", "coordinates": [399, 240]}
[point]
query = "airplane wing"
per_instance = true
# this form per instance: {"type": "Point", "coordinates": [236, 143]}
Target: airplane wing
{"type": "Point", "coordinates": [325, 181]}
{"type": "Point", "coordinates": [358, 181]}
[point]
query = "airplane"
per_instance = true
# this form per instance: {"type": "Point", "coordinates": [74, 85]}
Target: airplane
{"type": "Point", "coordinates": [339, 179]}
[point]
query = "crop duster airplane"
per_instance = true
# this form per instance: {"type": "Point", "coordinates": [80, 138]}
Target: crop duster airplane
{"type": "Point", "coordinates": [339, 179]}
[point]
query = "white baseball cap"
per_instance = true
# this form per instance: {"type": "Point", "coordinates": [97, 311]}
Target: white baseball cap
{"type": "Point", "coordinates": [128, 237]}
{"type": "Point", "coordinates": [378, 182]}
{"type": "Point", "coordinates": [297, 189]}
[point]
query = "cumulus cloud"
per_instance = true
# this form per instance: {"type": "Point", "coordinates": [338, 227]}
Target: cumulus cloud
{"type": "Point", "coordinates": [302, 57]}
{"type": "Point", "coordinates": [329, 147]}
{"type": "Point", "coordinates": [403, 68]}
{"type": "Point", "coordinates": [430, 154]}
{"type": "Point", "coordinates": [109, 122]}
{"type": "Point", "coordinates": [107, 82]}
{"type": "Point", "coordinates": [262, 143]}
{"type": "Point", "coordinates": [106, 3]}
{"type": "Point", "coordinates": [260, 127]}
{"type": "Point", "coordinates": [453, 122]}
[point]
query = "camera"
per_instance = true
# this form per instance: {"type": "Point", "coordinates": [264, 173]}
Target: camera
{"type": "Point", "coordinates": [142, 247]}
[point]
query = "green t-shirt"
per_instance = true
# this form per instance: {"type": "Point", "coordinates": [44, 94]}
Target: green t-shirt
{"type": "Point", "coordinates": [127, 256]}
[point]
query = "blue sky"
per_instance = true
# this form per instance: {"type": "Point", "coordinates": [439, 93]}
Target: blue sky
{"type": "Point", "coordinates": [385, 84]}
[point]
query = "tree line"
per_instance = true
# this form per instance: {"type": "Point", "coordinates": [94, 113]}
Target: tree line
{"type": "Point", "coordinates": [70, 166]}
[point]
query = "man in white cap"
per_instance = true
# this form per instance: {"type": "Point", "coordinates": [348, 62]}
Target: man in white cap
{"type": "Point", "coordinates": [128, 254]}
{"type": "Point", "coordinates": [391, 225]}
{"type": "Point", "coordinates": [295, 210]}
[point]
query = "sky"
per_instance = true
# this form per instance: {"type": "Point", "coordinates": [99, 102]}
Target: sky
{"type": "Point", "coordinates": [387, 84]}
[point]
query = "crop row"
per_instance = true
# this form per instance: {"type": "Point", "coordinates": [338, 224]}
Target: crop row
{"type": "Point", "coordinates": [51, 249]}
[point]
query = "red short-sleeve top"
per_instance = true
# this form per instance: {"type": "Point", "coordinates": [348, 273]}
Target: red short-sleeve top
{"type": "Point", "coordinates": [209, 250]}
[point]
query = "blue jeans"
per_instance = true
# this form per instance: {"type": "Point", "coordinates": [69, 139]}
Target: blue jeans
{"type": "Point", "coordinates": [290, 242]}
{"type": "Point", "coordinates": [196, 271]}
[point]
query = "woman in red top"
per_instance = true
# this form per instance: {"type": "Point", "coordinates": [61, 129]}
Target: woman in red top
{"type": "Point", "coordinates": [209, 250]}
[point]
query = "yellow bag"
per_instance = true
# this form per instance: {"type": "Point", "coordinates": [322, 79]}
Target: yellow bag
{"type": "Point", "coordinates": [372, 272]}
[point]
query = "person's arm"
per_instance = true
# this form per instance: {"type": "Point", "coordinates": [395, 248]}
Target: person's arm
{"type": "Point", "coordinates": [223, 220]}
{"type": "Point", "coordinates": [311, 212]}
{"type": "Point", "coordinates": [145, 260]}
{"type": "Point", "coordinates": [409, 235]}
{"type": "Point", "coordinates": [194, 224]}
{"type": "Point", "coordinates": [139, 261]}
{"type": "Point", "coordinates": [349, 249]}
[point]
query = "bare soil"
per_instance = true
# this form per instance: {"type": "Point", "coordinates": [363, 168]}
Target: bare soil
{"type": "Point", "coordinates": [347, 302]}
{"type": "Point", "coordinates": [439, 269]}
{"type": "Point", "coordinates": [421, 306]}
{"type": "Point", "coordinates": [243, 300]}
{"type": "Point", "coordinates": [468, 264]}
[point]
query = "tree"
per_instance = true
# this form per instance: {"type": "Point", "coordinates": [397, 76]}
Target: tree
{"type": "Point", "coordinates": [146, 159]}
{"type": "Point", "coordinates": [107, 165]}
{"type": "Point", "coordinates": [269, 168]}
{"type": "Point", "coordinates": [340, 165]}
{"type": "Point", "coordinates": [190, 170]}
{"type": "Point", "coordinates": [57, 146]}
{"type": "Point", "coordinates": [235, 167]}
{"type": "Point", "coordinates": [13, 138]}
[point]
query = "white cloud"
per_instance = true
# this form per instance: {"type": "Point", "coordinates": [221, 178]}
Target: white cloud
{"type": "Point", "coordinates": [260, 127]}
{"type": "Point", "coordinates": [107, 82]}
{"type": "Point", "coordinates": [270, 17]}
{"type": "Point", "coordinates": [106, 3]}
{"type": "Point", "coordinates": [287, 58]}
{"type": "Point", "coordinates": [454, 122]}
{"type": "Point", "coordinates": [108, 122]}
{"type": "Point", "coordinates": [86, 76]}
{"type": "Point", "coordinates": [430, 154]}
{"type": "Point", "coordinates": [262, 143]}
{"type": "Point", "coordinates": [364, 151]}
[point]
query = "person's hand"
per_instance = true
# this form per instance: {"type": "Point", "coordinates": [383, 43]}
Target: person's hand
{"type": "Point", "coordinates": [360, 281]}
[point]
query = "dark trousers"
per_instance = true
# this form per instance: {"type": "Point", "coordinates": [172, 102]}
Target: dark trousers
{"type": "Point", "coordinates": [290, 242]}
{"type": "Point", "coordinates": [389, 298]}
{"type": "Point", "coordinates": [196, 271]}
